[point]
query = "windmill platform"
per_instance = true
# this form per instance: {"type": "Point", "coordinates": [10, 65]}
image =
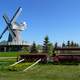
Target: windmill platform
{"type": "Point", "coordinates": [12, 46]}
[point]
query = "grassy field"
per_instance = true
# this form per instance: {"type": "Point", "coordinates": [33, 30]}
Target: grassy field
{"type": "Point", "coordinates": [11, 54]}
{"type": "Point", "coordinates": [38, 72]}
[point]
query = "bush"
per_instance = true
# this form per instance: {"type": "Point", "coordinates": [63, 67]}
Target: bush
{"type": "Point", "coordinates": [19, 67]}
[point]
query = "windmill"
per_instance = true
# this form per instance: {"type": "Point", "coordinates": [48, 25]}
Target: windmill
{"type": "Point", "coordinates": [13, 27]}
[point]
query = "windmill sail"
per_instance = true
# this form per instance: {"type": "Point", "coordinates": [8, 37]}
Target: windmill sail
{"type": "Point", "coordinates": [9, 26]}
{"type": "Point", "coordinates": [17, 13]}
{"type": "Point", "coordinates": [9, 23]}
{"type": "Point", "coordinates": [3, 32]}
{"type": "Point", "coordinates": [13, 27]}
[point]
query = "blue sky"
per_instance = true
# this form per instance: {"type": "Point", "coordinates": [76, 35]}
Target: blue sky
{"type": "Point", "coordinates": [59, 19]}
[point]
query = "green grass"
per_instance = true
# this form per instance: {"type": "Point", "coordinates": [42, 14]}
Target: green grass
{"type": "Point", "coordinates": [40, 72]}
{"type": "Point", "coordinates": [11, 54]}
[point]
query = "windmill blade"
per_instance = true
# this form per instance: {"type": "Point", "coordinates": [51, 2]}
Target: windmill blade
{"type": "Point", "coordinates": [5, 28]}
{"type": "Point", "coordinates": [6, 18]}
{"type": "Point", "coordinates": [10, 22]}
{"type": "Point", "coordinates": [9, 26]}
{"type": "Point", "coordinates": [17, 13]}
{"type": "Point", "coordinates": [3, 32]}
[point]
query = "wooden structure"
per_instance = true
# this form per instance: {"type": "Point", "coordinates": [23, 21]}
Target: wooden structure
{"type": "Point", "coordinates": [67, 50]}
{"type": "Point", "coordinates": [33, 57]}
{"type": "Point", "coordinates": [67, 54]}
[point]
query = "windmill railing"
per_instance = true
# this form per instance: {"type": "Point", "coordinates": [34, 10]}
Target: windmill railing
{"type": "Point", "coordinates": [14, 43]}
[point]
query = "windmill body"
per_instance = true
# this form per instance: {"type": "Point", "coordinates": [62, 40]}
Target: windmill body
{"type": "Point", "coordinates": [16, 28]}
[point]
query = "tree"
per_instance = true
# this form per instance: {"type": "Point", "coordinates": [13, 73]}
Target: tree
{"type": "Point", "coordinates": [50, 51]}
{"type": "Point", "coordinates": [46, 45]}
{"type": "Point", "coordinates": [56, 45]}
{"type": "Point", "coordinates": [33, 48]}
{"type": "Point", "coordinates": [39, 48]}
{"type": "Point", "coordinates": [68, 43]}
{"type": "Point", "coordinates": [72, 44]}
{"type": "Point", "coordinates": [25, 49]}
{"type": "Point", "coordinates": [63, 44]}
{"type": "Point", "coordinates": [77, 45]}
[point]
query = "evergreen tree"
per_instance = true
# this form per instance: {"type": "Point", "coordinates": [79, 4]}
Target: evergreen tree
{"type": "Point", "coordinates": [68, 43]}
{"type": "Point", "coordinates": [56, 45]}
{"type": "Point", "coordinates": [72, 44]}
{"type": "Point", "coordinates": [33, 48]}
{"type": "Point", "coordinates": [46, 45]}
{"type": "Point", "coordinates": [77, 45]}
{"type": "Point", "coordinates": [63, 44]}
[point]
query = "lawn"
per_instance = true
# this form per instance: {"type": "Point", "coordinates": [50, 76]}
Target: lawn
{"type": "Point", "coordinates": [11, 54]}
{"type": "Point", "coordinates": [40, 72]}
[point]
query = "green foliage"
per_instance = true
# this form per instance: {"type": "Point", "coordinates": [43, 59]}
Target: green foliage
{"type": "Point", "coordinates": [39, 48]}
{"type": "Point", "coordinates": [33, 48]}
{"type": "Point", "coordinates": [70, 44]}
{"type": "Point", "coordinates": [25, 49]}
{"type": "Point", "coordinates": [63, 45]}
{"type": "Point", "coordinates": [50, 46]}
{"type": "Point", "coordinates": [56, 45]}
{"type": "Point", "coordinates": [19, 67]}
{"type": "Point", "coordinates": [47, 46]}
